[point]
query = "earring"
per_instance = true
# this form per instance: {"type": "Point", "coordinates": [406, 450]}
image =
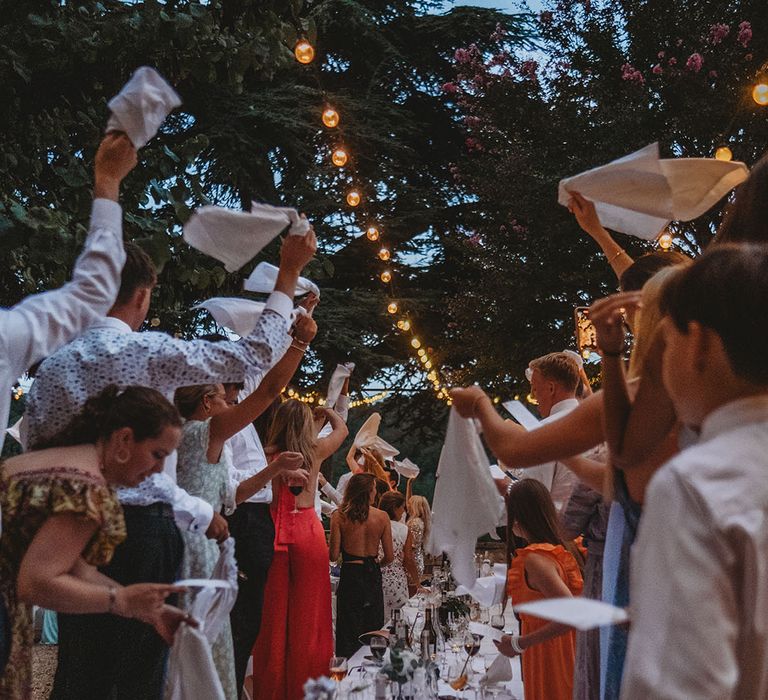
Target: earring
{"type": "Point", "coordinates": [122, 457]}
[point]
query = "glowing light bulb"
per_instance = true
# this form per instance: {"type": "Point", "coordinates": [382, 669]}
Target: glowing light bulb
{"type": "Point", "coordinates": [304, 52]}
{"type": "Point", "coordinates": [496, 399]}
{"type": "Point", "coordinates": [406, 325]}
{"type": "Point", "coordinates": [386, 276]}
{"type": "Point", "coordinates": [724, 153]}
{"type": "Point", "coordinates": [428, 365]}
{"type": "Point", "coordinates": [392, 308]}
{"type": "Point", "coordinates": [421, 352]}
{"type": "Point", "coordinates": [339, 157]}
{"type": "Point", "coordinates": [760, 94]}
{"type": "Point", "coordinates": [155, 322]}
{"type": "Point", "coordinates": [384, 254]}
{"type": "Point", "coordinates": [424, 358]}
{"type": "Point", "coordinates": [665, 240]}
{"type": "Point", "coordinates": [432, 376]}
{"type": "Point", "coordinates": [372, 233]}
{"type": "Point", "coordinates": [416, 343]}
{"type": "Point", "coordinates": [353, 198]}
{"type": "Point", "coordinates": [330, 117]}
{"type": "Point", "coordinates": [585, 353]}
{"type": "Point", "coordinates": [530, 399]}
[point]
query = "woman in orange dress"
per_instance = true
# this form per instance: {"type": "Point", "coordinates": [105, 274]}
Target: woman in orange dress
{"type": "Point", "coordinates": [295, 642]}
{"type": "Point", "coordinates": [546, 567]}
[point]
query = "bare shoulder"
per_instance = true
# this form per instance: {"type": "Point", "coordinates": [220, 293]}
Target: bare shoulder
{"type": "Point", "coordinates": [81, 457]}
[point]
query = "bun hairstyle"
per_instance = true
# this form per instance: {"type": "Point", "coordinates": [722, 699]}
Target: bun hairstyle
{"type": "Point", "coordinates": [188, 398]}
{"type": "Point", "coordinates": [145, 411]}
{"type": "Point", "coordinates": [357, 498]}
{"type": "Point", "coordinates": [390, 502]}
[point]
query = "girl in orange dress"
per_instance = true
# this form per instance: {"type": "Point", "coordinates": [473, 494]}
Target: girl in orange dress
{"type": "Point", "coordinates": [546, 567]}
{"type": "Point", "coordinates": [295, 642]}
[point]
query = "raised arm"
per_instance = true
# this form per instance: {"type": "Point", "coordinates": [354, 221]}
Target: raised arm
{"type": "Point", "coordinates": [41, 323]}
{"type": "Point", "coordinates": [574, 433]}
{"type": "Point", "coordinates": [328, 445]}
{"type": "Point", "coordinates": [587, 218]}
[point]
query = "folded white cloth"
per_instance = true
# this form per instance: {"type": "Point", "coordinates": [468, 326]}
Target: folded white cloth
{"type": "Point", "coordinates": [235, 237]}
{"type": "Point", "coordinates": [499, 671]}
{"type": "Point", "coordinates": [466, 504]}
{"type": "Point", "coordinates": [142, 106]}
{"type": "Point", "coordinates": [488, 590]}
{"type": "Point", "coordinates": [368, 436]}
{"type": "Point", "coordinates": [641, 193]}
{"type": "Point", "coordinates": [15, 430]}
{"type": "Point", "coordinates": [338, 377]}
{"type": "Point", "coordinates": [521, 414]}
{"type": "Point", "coordinates": [239, 315]}
{"type": "Point", "coordinates": [581, 613]}
{"type": "Point", "coordinates": [406, 468]}
{"type": "Point", "coordinates": [191, 671]}
{"type": "Point", "coordinates": [264, 276]}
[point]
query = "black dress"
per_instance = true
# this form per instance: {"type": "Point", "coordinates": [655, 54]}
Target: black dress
{"type": "Point", "coordinates": [359, 602]}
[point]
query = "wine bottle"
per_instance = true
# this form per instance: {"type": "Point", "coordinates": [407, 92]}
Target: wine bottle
{"type": "Point", "coordinates": [428, 637]}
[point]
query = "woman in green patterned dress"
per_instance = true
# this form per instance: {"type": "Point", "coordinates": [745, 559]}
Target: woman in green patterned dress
{"type": "Point", "coordinates": [61, 519]}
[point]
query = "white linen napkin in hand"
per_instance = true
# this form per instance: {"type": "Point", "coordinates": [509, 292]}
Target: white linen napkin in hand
{"type": "Point", "coordinates": [239, 315]}
{"type": "Point", "coordinates": [142, 106]}
{"type": "Point", "coordinates": [641, 193]}
{"type": "Point", "coordinates": [336, 384]}
{"type": "Point", "coordinates": [500, 671]}
{"type": "Point", "coordinates": [581, 613]}
{"type": "Point", "coordinates": [368, 436]}
{"type": "Point", "coordinates": [466, 504]}
{"type": "Point", "coordinates": [407, 469]}
{"type": "Point", "coordinates": [264, 276]}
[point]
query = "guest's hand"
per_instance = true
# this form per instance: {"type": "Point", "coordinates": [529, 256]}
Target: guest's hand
{"type": "Point", "coordinates": [297, 251]}
{"type": "Point", "coordinates": [167, 621]}
{"type": "Point", "coordinates": [218, 529]}
{"type": "Point", "coordinates": [305, 329]}
{"type": "Point", "coordinates": [115, 158]}
{"type": "Point", "coordinates": [297, 477]}
{"type": "Point", "coordinates": [288, 461]}
{"type": "Point", "coordinates": [321, 480]}
{"type": "Point", "coordinates": [466, 400]}
{"type": "Point", "coordinates": [505, 646]}
{"type": "Point", "coordinates": [608, 316]}
{"type": "Point", "coordinates": [585, 214]}
{"type": "Point", "coordinates": [309, 302]}
{"type": "Point", "coordinates": [142, 600]}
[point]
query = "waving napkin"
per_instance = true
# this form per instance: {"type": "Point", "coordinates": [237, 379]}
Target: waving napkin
{"type": "Point", "coordinates": [264, 276]}
{"type": "Point", "coordinates": [235, 237]}
{"type": "Point", "coordinates": [239, 315]}
{"type": "Point", "coordinates": [641, 193]}
{"type": "Point", "coordinates": [368, 436]}
{"type": "Point", "coordinates": [142, 106]}
{"type": "Point", "coordinates": [336, 384]}
{"type": "Point", "coordinates": [466, 503]}
{"type": "Point", "coordinates": [581, 613]}
{"type": "Point", "coordinates": [407, 468]}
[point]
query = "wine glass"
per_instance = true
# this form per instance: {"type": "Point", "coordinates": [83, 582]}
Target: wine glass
{"type": "Point", "coordinates": [295, 487]}
{"type": "Point", "coordinates": [497, 622]}
{"type": "Point", "coordinates": [472, 643]}
{"type": "Point", "coordinates": [338, 669]}
{"type": "Point", "coordinates": [378, 646]}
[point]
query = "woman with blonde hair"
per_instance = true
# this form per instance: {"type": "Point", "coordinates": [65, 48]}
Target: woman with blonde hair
{"type": "Point", "coordinates": [295, 641]}
{"type": "Point", "coordinates": [419, 523]}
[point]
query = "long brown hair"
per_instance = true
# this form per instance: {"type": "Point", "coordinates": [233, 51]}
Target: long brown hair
{"type": "Point", "coordinates": [293, 429]}
{"type": "Point", "coordinates": [530, 505]}
{"type": "Point", "coordinates": [357, 498]}
{"type": "Point", "coordinates": [390, 502]}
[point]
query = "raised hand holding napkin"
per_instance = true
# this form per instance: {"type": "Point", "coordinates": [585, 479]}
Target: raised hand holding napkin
{"type": "Point", "coordinates": [264, 276]}
{"type": "Point", "coordinates": [142, 106]}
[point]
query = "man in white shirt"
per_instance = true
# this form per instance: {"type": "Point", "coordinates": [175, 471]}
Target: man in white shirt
{"type": "Point", "coordinates": [41, 323]}
{"type": "Point", "coordinates": [100, 653]}
{"type": "Point", "coordinates": [554, 379]}
{"type": "Point", "coordinates": [699, 568]}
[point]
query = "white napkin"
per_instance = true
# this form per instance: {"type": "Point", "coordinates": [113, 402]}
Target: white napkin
{"type": "Point", "coordinates": [15, 430]}
{"type": "Point", "coordinates": [239, 315]}
{"type": "Point", "coordinates": [235, 237]}
{"type": "Point", "coordinates": [264, 276]}
{"type": "Point", "coordinates": [407, 468]}
{"type": "Point", "coordinates": [336, 384]}
{"type": "Point", "coordinates": [521, 414]}
{"type": "Point", "coordinates": [142, 106]}
{"type": "Point", "coordinates": [640, 193]}
{"type": "Point", "coordinates": [466, 504]}
{"type": "Point", "coordinates": [488, 590]}
{"type": "Point", "coordinates": [500, 671]}
{"type": "Point", "coordinates": [581, 613]}
{"type": "Point", "coordinates": [368, 436]}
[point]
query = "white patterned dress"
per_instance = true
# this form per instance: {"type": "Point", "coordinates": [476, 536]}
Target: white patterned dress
{"type": "Point", "coordinates": [210, 482]}
{"type": "Point", "coordinates": [394, 579]}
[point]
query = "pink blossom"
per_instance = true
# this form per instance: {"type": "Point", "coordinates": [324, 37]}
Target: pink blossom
{"type": "Point", "coordinates": [694, 62]}
{"type": "Point", "coordinates": [718, 32]}
{"type": "Point", "coordinates": [545, 17]}
{"type": "Point", "coordinates": [472, 121]}
{"type": "Point", "coordinates": [657, 69]}
{"type": "Point", "coordinates": [450, 88]}
{"type": "Point", "coordinates": [661, 54]}
{"type": "Point", "coordinates": [745, 34]}
{"type": "Point", "coordinates": [462, 56]}
{"type": "Point", "coordinates": [631, 74]}
{"type": "Point", "coordinates": [672, 61]}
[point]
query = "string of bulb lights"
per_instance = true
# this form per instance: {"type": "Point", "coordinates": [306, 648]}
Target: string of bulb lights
{"type": "Point", "coordinates": [304, 53]}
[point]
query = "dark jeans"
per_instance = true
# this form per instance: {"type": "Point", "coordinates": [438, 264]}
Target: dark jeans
{"type": "Point", "coordinates": [254, 532]}
{"type": "Point", "coordinates": [105, 656]}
